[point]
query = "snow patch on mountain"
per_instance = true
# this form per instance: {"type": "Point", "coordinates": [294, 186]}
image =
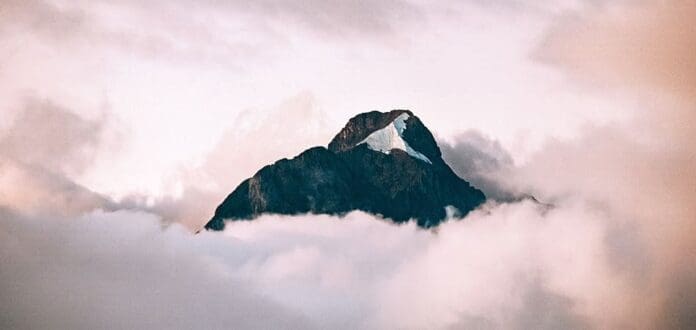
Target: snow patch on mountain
{"type": "Point", "coordinates": [391, 137]}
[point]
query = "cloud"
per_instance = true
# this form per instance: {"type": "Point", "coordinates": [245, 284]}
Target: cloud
{"type": "Point", "coordinates": [539, 309]}
{"type": "Point", "coordinates": [40, 15]}
{"type": "Point", "coordinates": [41, 150]}
{"type": "Point", "coordinates": [49, 135]}
{"type": "Point", "coordinates": [231, 32]}
{"type": "Point", "coordinates": [120, 270]}
{"type": "Point", "coordinates": [34, 190]}
{"type": "Point", "coordinates": [639, 172]}
{"type": "Point", "coordinates": [114, 269]}
{"type": "Point", "coordinates": [342, 18]}
{"type": "Point", "coordinates": [615, 251]}
{"type": "Point", "coordinates": [515, 265]}
{"type": "Point", "coordinates": [648, 188]}
{"type": "Point", "coordinates": [642, 168]}
{"type": "Point", "coordinates": [479, 159]}
{"type": "Point", "coordinates": [260, 137]}
{"type": "Point", "coordinates": [97, 28]}
{"type": "Point", "coordinates": [642, 45]}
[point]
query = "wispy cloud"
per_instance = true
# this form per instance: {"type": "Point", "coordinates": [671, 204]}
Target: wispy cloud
{"type": "Point", "coordinates": [41, 151]}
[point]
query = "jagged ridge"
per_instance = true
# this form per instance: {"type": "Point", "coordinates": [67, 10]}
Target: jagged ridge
{"type": "Point", "coordinates": [350, 176]}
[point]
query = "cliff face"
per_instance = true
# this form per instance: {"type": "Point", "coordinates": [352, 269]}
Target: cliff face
{"type": "Point", "coordinates": [382, 163]}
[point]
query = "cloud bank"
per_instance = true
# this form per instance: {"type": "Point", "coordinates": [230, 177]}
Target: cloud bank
{"type": "Point", "coordinates": [505, 267]}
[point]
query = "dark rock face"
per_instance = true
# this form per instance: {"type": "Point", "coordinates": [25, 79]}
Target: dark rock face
{"type": "Point", "coordinates": [351, 176]}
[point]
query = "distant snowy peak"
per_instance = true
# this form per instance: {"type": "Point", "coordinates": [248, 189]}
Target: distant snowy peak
{"type": "Point", "coordinates": [391, 137]}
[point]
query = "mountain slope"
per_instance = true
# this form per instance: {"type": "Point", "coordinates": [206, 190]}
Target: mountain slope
{"type": "Point", "coordinates": [382, 163]}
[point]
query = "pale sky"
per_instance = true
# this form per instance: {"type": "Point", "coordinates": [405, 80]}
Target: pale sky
{"type": "Point", "coordinates": [170, 79]}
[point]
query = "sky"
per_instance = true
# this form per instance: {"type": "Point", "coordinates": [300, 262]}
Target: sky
{"type": "Point", "coordinates": [172, 79]}
{"type": "Point", "coordinates": [123, 125]}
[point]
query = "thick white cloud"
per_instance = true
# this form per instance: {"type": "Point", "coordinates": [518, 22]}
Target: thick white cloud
{"type": "Point", "coordinates": [507, 266]}
{"type": "Point", "coordinates": [122, 271]}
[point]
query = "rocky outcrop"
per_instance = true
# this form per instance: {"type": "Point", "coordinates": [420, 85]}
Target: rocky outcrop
{"type": "Point", "coordinates": [394, 171]}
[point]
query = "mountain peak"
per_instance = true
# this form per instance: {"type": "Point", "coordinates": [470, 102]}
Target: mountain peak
{"type": "Point", "coordinates": [361, 126]}
{"type": "Point", "coordinates": [400, 129]}
{"type": "Point", "coordinates": [385, 163]}
{"type": "Point", "coordinates": [392, 137]}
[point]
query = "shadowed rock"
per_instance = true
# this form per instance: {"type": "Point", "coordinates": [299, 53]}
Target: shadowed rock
{"type": "Point", "coordinates": [355, 174]}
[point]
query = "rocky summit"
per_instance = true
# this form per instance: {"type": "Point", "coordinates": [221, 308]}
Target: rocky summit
{"type": "Point", "coordinates": [384, 163]}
